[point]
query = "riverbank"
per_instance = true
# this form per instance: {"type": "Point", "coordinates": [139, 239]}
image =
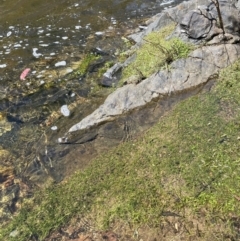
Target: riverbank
{"type": "Point", "coordinates": [178, 180]}
{"type": "Point", "coordinates": [127, 183]}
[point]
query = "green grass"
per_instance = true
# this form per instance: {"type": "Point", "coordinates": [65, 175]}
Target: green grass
{"type": "Point", "coordinates": [157, 52]}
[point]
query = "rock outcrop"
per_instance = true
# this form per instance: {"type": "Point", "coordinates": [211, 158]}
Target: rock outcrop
{"type": "Point", "coordinates": [196, 24]}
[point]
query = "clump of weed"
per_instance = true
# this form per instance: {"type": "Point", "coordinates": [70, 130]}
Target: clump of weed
{"type": "Point", "coordinates": [85, 63]}
{"type": "Point", "coordinates": [156, 52]}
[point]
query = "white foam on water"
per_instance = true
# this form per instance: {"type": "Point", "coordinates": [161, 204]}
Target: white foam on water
{"type": "Point", "coordinates": [3, 66]}
{"type": "Point", "coordinates": [65, 37]}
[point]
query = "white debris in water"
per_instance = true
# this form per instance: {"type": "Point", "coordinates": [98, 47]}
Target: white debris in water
{"type": "Point", "coordinates": [9, 33]}
{"type": "Point", "coordinates": [61, 63]}
{"type": "Point", "coordinates": [35, 54]}
{"type": "Point", "coordinates": [34, 72]}
{"type": "Point", "coordinates": [11, 27]}
{"type": "Point", "coordinates": [3, 66]}
{"type": "Point", "coordinates": [42, 82]}
{"type": "Point", "coordinates": [7, 52]}
{"type": "Point", "coordinates": [39, 76]}
{"type": "Point", "coordinates": [51, 54]}
{"type": "Point", "coordinates": [65, 111]}
{"type": "Point", "coordinates": [17, 46]}
{"type": "Point", "coordinates": [76, 5]}
{"type": "Point", "coordinates": [65, 37]}
{"type": "Point", "coordinates": [57, 42]}
{"type": "Point", "coordinates": [48, 34]}
{"type": "Point", "coordinates": [73, 94]}
{"type": "Point", "coordinates": [54, 128]}
{"type": "Point", "coordinates": [44, 45]}
{"type": "Point", "coordinates": [26, 26]}
{"type": "Point", "coordinates": [40, 31]}
{"type": "Point", "coordinates": [99, 33]}
{"type": "Point", "coordinates": [78, 27]}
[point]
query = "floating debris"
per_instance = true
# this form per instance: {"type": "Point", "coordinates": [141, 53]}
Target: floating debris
{"type": "Point", "coordinates": [54, 128]}
{"type": "Point", "coordinates": [9, 33]}
{"type": "Point", "coordinates": [65, 111]}
{"type": "Point", "coordinates": [99, 33]}
{"type": "Point", "coordinates": [3, 66]}
{"type": "Point", "coordinates": [61, 63]}
{"type": "Point", "coordinates": [24, 74]}
{"type": "Point", "coordinates": [35, 54]}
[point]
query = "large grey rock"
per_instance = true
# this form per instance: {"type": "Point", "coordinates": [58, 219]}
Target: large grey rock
{"type": "Point", "coordinates": [197, 23]}
{"type": "Point", "coordinates": [168, 16]}
{"type": "Point", "coordinates": [230, 15]}
{"type": "Point", "coordinates": [201, 65]}
{"type": "Point", "coordinates": [196, 20]}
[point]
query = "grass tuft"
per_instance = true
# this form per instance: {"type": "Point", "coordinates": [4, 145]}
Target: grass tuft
{"type": "Point", "coordinates": [156, 52]}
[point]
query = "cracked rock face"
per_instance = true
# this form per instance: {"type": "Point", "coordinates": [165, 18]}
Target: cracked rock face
{"type": "Point", "coordinates": [202, 23]}
{"type": "Point", "coordinates": [198, 23]}
{"type": "Point", "coordinates": [198, 68]}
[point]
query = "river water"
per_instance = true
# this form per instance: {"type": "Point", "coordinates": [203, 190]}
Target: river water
{"type": "Point", "coordinates": [38, 34]}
